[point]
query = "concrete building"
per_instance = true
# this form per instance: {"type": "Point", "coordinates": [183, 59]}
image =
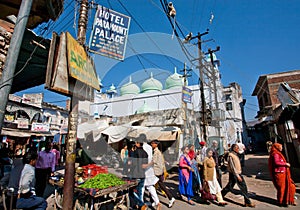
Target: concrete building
{"type": "Point", "coordinates": [235, 119]}
{"type": "Point", "coordinates": [28, 117]}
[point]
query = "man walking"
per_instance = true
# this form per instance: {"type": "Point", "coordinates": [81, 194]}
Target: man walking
{"type": "Point", "coordinates": [241, 153]}
{"type": "Point", "coordinates": [235, 176]}
{"type": "Point", "coordinates": [159, 166]}
{"type": "Point", "coordinates": [215, 156]}
{"type": "Point", "coordinates": [139, 162]}
{"type": "Point", "coordinates": [150, 178]}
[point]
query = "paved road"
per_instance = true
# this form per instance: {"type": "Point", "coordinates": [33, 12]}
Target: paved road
{"type": "Point", "coordinates": [260, 187]}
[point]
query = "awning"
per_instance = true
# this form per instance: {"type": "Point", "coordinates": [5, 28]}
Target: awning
{"type": "Point", "coordinates": [22, 133]}
{"type": "Point", "coordinates": [90, 126]}
{"type": "Point", "coordinates": [154, 133]}
{"type": "Point", "coordinates": [117, 133]}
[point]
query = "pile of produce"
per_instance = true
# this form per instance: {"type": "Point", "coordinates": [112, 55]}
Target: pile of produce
{"type": "Point", "coordinates": [102, 181]}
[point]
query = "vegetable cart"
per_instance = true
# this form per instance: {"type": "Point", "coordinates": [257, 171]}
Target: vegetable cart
{"type": "Point", "coordinates": [116, 197]}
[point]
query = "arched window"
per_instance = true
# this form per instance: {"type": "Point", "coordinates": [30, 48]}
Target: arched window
{"type": "Point", "coordinates": [38, 117]}
{"type": "Point", "coordinates": [22, 114]}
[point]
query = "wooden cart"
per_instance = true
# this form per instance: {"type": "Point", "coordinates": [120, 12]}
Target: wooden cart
{"type": "Point", "coordinates": [110, 198]}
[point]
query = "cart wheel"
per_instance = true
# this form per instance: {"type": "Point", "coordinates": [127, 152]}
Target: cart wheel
{"type": "Point", "coordinates": [58, 199]}
{"type": "Point", "coordinates": [127, 200]}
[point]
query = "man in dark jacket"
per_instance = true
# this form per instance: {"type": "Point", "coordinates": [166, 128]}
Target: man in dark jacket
{"type": "Point", "coordinates": [139, 161]}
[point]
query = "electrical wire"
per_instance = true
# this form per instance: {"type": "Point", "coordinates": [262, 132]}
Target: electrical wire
{"type": "Point", "coordinates": [148, 36]}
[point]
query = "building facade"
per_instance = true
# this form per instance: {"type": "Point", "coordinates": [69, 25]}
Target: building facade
{"type": "Point", "coordinates": [266, 91]}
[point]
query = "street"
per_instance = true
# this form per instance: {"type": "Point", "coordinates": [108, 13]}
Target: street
{"type": "Point", "coordinates": [260, 187]}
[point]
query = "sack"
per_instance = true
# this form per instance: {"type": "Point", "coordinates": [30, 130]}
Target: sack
{"type": "Point", "coordinates": [205, 192]}
{"type": "Point", "coordinates": [166, 174]}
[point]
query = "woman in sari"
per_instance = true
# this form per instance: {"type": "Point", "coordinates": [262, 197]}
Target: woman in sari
{"type": "Point", "coordinates": [281, 176]}
{"type": "Point", "coordinates": [186, 175]}
{"type": "Point", "coordinates": [210, 176]}
{"type": "Point", "coordinates": [194, 164]}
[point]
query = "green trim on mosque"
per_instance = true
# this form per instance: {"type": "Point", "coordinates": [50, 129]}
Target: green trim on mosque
{"type": "Point", "coordinates": [144, 108]}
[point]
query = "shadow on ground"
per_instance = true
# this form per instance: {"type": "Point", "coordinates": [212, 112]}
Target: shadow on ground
{"type": "Point", "coordinates": [253, 196]}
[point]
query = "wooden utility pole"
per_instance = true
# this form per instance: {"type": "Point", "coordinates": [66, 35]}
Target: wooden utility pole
{"type": "Point", "coordinates": [69, 180]}
{"type": "Point", "coordinates": [203, 122]}
{"type": "Point", "coordinates": [214, 80]}
{"type": "Point", "coordinates": [184, 103]}
{"type": "Point", "coordinates": [202, 95]}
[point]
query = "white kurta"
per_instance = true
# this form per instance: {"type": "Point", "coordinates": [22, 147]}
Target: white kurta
{"type": "Point", "coordinates": [214, 185]}
{"type": "Point", "coordinates": [150, 178]}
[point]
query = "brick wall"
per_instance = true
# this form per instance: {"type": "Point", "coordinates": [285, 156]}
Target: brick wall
{"type": "Point", "coordinates": [292, 79]}
{"type": "Point", "coordinates": [6, 30]}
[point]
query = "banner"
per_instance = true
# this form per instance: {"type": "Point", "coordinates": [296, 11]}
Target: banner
{"type": "Point", "coordinates": [109, 34]}
{"type": "Point", "coordinates": [186, 95]}
{"type": "Point", "coordinates": [40, 127]}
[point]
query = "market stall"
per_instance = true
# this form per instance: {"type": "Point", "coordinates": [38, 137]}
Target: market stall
{"type": "Point", "coordinates": [95, 188]}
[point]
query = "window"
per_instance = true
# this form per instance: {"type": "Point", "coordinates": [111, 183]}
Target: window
{"type": "Point", "coordinates": [228, 106]}
{"type": "Point", "coordinates": [266, 98]}
{"type": "Point", "coordinates": [228, 97]}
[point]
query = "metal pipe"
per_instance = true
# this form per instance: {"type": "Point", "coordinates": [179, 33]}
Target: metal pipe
{"type": "Point", "coordinates": [12, 55]}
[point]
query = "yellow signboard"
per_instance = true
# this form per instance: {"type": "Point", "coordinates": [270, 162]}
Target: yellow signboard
{"type": "Point", "coordinates": [80, 65]}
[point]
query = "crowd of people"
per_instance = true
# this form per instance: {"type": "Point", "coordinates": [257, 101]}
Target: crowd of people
{"type": "Point", "coordinates": [199, 174]}
{"type": "Point", "coordinates": [29, 163]}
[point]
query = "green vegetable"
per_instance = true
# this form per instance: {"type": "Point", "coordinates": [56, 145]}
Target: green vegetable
{"type": "Point", "coordinates": [102, 181]}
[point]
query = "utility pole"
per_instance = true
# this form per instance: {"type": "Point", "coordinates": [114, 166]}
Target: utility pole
{"type": "Point", "coordinates": [214, 78]}
{"type": "Point", "coordinates": [184, 103]}
{"type": "Point", "coordinates": [12, 56]}
{"type": "Point", "coordinates": [69, 180]}
{"type": "Point", "coordinates": [201, 74]}
{"type": "Point", "coordinates": [203, 124]}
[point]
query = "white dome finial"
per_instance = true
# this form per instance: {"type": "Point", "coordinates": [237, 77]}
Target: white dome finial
{"type": "Point", "coordinates": [175, 69]}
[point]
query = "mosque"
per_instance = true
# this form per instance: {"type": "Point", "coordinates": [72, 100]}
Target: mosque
{"type": "Point", "coordinates": [156, 105]}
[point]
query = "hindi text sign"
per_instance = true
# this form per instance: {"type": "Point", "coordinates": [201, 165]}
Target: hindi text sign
{"type": "Point", "coordinates": [80, 65]}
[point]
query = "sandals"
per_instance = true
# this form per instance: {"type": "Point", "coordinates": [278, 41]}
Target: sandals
{"type": "Point", "coordinates": [191, 203]}
{"type": "Point", "coordinates": [222, 204]}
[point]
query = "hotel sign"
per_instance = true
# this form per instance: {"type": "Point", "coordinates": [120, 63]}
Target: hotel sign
{"type": "Point", "coordinates": [109, 34]}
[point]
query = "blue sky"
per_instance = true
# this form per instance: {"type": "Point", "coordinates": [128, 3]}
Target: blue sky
{"type": "Point", "coordinates": [256, 37]}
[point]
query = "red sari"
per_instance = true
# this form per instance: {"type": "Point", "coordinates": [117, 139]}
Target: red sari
{"type": "Point", "coordinates": [281, 177]}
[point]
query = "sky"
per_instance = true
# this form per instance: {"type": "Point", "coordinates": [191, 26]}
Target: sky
{"type": "Point", "coordinates": [256, 38]}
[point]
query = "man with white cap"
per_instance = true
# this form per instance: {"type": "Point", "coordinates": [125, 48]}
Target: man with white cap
{"type": "Point", "coordinates": [150, 178]}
